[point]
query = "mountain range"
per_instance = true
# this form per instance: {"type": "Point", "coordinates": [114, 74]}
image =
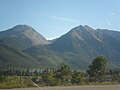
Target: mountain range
{"type": "Point", "coordinates": [23, 47]}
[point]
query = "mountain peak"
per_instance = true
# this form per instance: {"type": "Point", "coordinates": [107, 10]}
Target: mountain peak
{"type": "Point", "coordinates": [22, 25]}
{"type": "Point", "coordinates": [81, 29]}
{"type": "Point", "coordinates": [87, 27]}
{"type": "Point", "coordinates": [31, 34]}
{"type": "Point", "coordinates": [22, 28]}
{"type": "Point", "coordinates": [24, 33]}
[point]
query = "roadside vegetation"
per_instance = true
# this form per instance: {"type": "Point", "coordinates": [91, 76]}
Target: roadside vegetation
{"type": "Point", "coordinates": [63, 75]}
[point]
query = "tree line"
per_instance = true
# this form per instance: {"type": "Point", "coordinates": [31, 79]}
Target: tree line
{"type": "Point", "coordinates": [64, 75]}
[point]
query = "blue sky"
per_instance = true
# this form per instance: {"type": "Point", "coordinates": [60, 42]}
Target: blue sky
{"type": "Point", "coordinates": [52, 18]}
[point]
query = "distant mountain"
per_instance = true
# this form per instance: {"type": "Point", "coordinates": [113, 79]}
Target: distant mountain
{"type": "Point", "coordinates": [82, 44]}
{"type": "Point", "coordinates": [13, 43]}
{"type": "Point", "coordinates": [21, 37]}
{"type": "Point", "coordinates": [78, 47]}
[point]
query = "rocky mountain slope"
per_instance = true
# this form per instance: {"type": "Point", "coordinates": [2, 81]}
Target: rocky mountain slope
{"type": "Point", "coordinates": [78, 47]}
{"type": "Point", "coordinates": [21, 37]}
{"type": "Point", "coordinates": [82, 44]}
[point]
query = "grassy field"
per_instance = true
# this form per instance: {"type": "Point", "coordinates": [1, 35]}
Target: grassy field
{"type": "Point", "coordinates": [92, 87]}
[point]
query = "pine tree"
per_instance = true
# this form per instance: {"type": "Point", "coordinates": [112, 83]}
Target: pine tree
{"type": "Point", "coordinates": [97, 70]}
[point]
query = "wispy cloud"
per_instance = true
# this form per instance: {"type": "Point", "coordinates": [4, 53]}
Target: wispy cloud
{"type": "Point", "coordinates": [108, 22]}
{"type": "Point", "coordinates": [110, 18]}
{"type": "Point", "coordinates": [62, 19]}
{"type": "Point", "coordinates": [113, 14]}
{"type": "Point", "coordinates": [59, 18]}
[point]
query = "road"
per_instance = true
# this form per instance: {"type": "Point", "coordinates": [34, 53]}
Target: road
{"type": "Point", "coordinates": [92, 87]}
